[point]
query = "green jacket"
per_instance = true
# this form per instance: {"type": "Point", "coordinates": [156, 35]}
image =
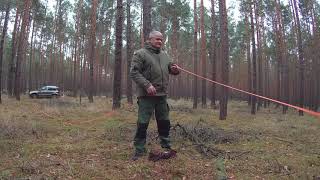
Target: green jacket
{"type": "Point", "coordinates": [151, 66]}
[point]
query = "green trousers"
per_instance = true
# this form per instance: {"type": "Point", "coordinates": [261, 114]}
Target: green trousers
{"type": "Point", "coordinates": [148, 105]}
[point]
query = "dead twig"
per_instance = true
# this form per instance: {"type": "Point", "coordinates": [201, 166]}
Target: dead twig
{"type": "Point", "coordinates": [239, 154]}
{"type": "Point", "coordinates": [283, 140]}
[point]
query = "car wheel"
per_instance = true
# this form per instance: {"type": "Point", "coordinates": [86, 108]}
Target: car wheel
{"type": "Point", "coordinates": [54, 96]}
{"type": "Point", "coordinates": [33, 96]}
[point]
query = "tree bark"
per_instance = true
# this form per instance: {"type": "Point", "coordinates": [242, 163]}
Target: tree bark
{"type": "Point", "coordinates": [224, 58]}
{"type": "Point", "coordinates": [21, 47]}
{"type": "Point", "coordinates": [248, 57]}
{"type": "Point", "coordinates": [118, 57]}
{"type": "Point", "coordinates": [146, 18]}
{"type": "Point", "coordinates": [129, 52]}
{"type": "Point", "coordinates": [92, 48]}
{"type": "Point", "coordinates": [300, 57]}
{"type": "Point", "coordinates": [31, 57]}
{"type": "Point", "coordinates": [254, 66]}
{"type": "Point", "coordinates": [195, 56]}
{"type": "Point", "coordinates": [213, 53]}
{"type": "Point", "coordinates": [107, 56]}
{"type": "Point", "coordinates": [259, 23]}
{"type": "Point", "coordinates": [203, 57]}
{"type": "Point", "coordinates": [280, 51]}
{"type": "Point", "coordinates": [3, 36]}
{"type": "Point", "coordinates": [11, 69]}
{"type": "Point", "coordinates": [76, 61]}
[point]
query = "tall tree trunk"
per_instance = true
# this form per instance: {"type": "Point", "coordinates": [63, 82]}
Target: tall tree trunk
{"type": "Point", "coordinates": [3, 36]}
{"type": "Point", "coordinates": [280, 51]}
{"type": "Point", "coordinates": [82, 66]}
{"type": "Point", "coordinates": [76, 61]}
{"type": "Point", "coordinates": [98, 64]}
{"type": "Point", "coordinates": [254, 65]}
{"type": "Point", "coordinates": [92, 45]}
{"type": "Point", "coordinates": [31, 57]}
{"type": "Point", "coordinates": [300, 57]}
{"type": "Point", "coordinates": [52, 73]}
{"type": "Point", "coordinates": [224, 58]}
{"type": "Point", "coordinates": [129, 52]}
{"type": "Point", "coordinates": [266, 81]}
{"type": "Point", "coordinates": [118, 57]}
{"type": "Point", "coordinates": [259, 51]}
{"type": "Point", "coordinates": [265, 65]}
{"type": "Point", "coordinates": [248, 57]}
{"type": "Point", "coordinates": [203, 56]}
{"type": "Point", "coordinates": [213, 53]}
{"type": "Point", "coordinates": [106, 61]}
{"type": "Point", "coordinates": [106, 56]}
{"type": "Point", "coordinates": [285, 72]}
{"type": "Point", "coordinates": [24, 79]}
{"type": "Point", "coordinates": [316, 58]}
{"type": "Point", "coordinates": [195, 56]}
{"type": "Point", "coordinates": [40, 64]}
{"type": "Point", "coordinates": [61, 57]}
{"type": "Point", "coordinates": [21, 47]}
{"type": "Point", "coordinates": [279, 64]}
{"type": "Point", "coordinates": [146, 18]}
{"type": "Point", "coordinates": [11, 66]}
{"type": "Point", "coordinates": [164, 19]}
{"type": "Point", "coordinates": [40, 72]}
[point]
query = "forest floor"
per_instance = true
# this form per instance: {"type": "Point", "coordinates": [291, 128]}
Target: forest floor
{"type": "Point", "coordinates": [61, 139]}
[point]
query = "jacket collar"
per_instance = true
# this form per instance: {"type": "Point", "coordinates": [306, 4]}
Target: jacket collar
{"type": "Point", "coordinates": [152, 49]}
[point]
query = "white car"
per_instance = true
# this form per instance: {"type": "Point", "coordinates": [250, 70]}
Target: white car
{"type": "Point", "coordinates": [46, 92]}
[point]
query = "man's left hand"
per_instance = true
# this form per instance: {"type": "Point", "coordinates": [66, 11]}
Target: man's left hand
{"type": "Point", "coordinates": [174, 69]}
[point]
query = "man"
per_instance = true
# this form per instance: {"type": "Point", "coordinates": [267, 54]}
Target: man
{"type": "Point", "coordinates": [150, 69]}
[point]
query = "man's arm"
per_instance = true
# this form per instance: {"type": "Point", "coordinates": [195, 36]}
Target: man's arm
{"type": "Point", "coordinates": [136, 71]}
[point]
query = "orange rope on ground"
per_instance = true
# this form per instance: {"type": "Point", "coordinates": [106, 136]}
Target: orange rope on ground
{"type": "Point", "coordinates": [317, 114]}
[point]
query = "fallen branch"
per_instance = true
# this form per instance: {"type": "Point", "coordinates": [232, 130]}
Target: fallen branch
{"type": "Point", "coordinates": [201, 145]}
{"type": "Point", "coordinates": [283, 140]}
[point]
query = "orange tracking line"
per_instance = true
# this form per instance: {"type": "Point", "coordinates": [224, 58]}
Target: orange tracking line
{"type": "Point", "coordinates": [317, 114]}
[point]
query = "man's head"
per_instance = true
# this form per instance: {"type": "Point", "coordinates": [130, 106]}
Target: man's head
{"type": "Point", "coordinates": [155, 39]}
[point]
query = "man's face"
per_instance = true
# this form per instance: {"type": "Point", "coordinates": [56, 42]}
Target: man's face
{"type": "Point", "coordinates": [156, 40]}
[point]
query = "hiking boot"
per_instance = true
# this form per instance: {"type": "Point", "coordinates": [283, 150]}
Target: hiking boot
{"type": "Point", "coordinates": [157, 155]}
{"type": "Point", "coordinates": [169, 153]}
{"type": "Point", "coordinates": [137, 155]}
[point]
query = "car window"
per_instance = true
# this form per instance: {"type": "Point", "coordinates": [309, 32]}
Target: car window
{"type": "Point", "coordinates": [43, 88]}
{"type": "Point", "coordinates": [52, 89]}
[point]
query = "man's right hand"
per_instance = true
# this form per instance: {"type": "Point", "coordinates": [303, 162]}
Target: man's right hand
{"type": "Point", "coordinates": [151, 90]}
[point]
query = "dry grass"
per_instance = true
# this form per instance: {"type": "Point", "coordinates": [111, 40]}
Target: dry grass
{"type": "Point", "coordinates": [61, 139]}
